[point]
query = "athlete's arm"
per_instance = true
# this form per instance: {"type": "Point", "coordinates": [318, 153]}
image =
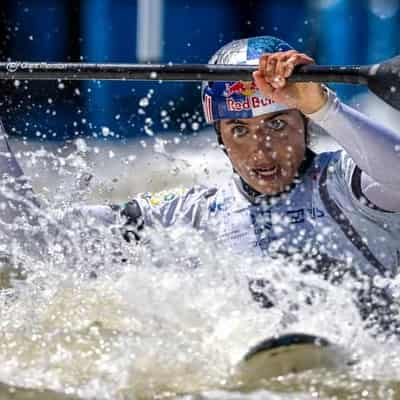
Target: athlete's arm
{"type": "Point", "coordinates": [374, 148]}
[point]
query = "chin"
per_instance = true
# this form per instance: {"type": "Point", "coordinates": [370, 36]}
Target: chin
{"type": "Point", "coordinates": [269, 188]}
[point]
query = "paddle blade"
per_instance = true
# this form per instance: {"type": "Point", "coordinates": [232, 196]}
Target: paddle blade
{"type": "Point", "coordinates": [384, 80]}
{"type": "Point", "coordinates": [289, 354]}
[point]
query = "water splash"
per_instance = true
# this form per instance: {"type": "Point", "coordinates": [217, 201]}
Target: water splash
{"type": "Point", "coordinates": [92, 316]}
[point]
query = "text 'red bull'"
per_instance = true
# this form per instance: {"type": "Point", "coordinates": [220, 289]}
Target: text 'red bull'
{"type": "Point", "coordinates": [248, 103]}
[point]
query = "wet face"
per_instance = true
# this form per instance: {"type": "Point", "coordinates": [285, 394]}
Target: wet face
{"type": "Point", "coordinates": [266, 151]}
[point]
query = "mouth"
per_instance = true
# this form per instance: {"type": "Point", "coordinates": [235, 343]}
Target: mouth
{"type": "Point", "coordinates": [265, 173]}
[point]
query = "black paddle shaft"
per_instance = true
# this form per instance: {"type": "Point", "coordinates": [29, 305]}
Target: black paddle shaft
{"type": "Point", "coordinates": [169, 72]}
{"type": "Point", "coordinates": [382, 79]}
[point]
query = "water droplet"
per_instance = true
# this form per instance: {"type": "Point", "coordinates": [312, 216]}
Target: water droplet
{"type": "Point", "coordinates": [174, 171]}
{"type": "Point", "coordinates": [81, 145]}
{"type": "Point", "coordinates": [144, 102]}
{"type": "Point", "coordinates": [148, 131]}
{"type": "Point", "coordinates": [105, 131]}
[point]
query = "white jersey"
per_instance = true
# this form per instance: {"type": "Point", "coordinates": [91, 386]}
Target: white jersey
{"type": "Point", "coordinates": [320, 217]}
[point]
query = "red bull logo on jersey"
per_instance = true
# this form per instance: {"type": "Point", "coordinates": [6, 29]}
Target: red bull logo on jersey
{"type": "Point", "coordinates": [247, 104]}
{"type": "Point", "coordinates": [240, 87]}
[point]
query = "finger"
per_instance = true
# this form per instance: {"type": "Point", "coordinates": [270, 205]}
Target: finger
{"type": "Point", "coordinates": [280, 64]}
{"type": "Point", "coordinates": [289, 66]}
{"type": "Point", "coordinates": [263, 86]}
{"type": "Point", "coordinates": [263, 63]}
{"type": "Point", "coordinates": [270, 68]}
{"type": "Point", "coordinates": [296, 59]}
{"type": "Point", "coordinates": [271, 73]}
{"type": "Point", "coordinates": [304, 58]}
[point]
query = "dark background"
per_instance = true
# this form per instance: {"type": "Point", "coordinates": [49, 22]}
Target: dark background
{"type": "Point", "coordinates": [332, 31]}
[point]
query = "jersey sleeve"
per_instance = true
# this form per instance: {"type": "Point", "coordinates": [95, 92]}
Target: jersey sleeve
{"type": "Point", "coordinates": [167, 208]}
{"type": "Point", "coordinates": [372, 147]}
{"type": "Point", "coordinates": [351, 179]}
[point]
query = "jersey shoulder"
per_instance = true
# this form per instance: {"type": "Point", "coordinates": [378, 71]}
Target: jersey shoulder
{"type": "Point", "coordinates": [155, 199]}
{"type": "Point", "coordinates": [172, 205]}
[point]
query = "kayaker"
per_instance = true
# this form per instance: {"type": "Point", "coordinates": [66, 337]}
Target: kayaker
{"type": "Point", "coordinates": [334, 213]}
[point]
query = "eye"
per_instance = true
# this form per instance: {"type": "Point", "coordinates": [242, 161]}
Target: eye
{"type": "Point", "coordinates": [239, 130]}
{"type": "Point", "coordinates": [276, 124]}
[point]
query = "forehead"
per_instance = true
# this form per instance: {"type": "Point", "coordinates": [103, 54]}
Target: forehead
{"type": "Point", "coordinates": [261, 118]}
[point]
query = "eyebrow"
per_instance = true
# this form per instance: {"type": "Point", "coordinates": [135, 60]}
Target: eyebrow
{"type": "Point", "coordinates": [243, 122]}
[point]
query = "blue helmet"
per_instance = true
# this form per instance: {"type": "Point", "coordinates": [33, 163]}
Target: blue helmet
{"type": "Point", "coordinates": [236, 100]}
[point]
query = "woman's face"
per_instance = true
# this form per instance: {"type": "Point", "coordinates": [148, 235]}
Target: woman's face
{"type": "Point", "coordinates": [266, 151]}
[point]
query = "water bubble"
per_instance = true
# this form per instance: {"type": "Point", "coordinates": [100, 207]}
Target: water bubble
{"type": "Point", "coordinates": [148, 131]}
{"type": "Point", "coordinates": [17, 83]}
{"type": "Point", "coordinates": [153, 75]}
{"type": "Point", "coordinates": [159, 145]}
{"type": "Point", "coordinates": [117, 117]}
{"type": "Point", "coordinates": [81, 145]}
{"type": "Point", "coordinates": [61, 86]}
{"type": "Point", "coordinates": [105, 131]}
{"type": "Point", "coordinates": [30, 37]}
{"type": "Point", "coordinates": [144, 102]}
{"type": "Point", "coordinates": [195, 126]}
{"type": "Point", "coordinates": [174, 171]}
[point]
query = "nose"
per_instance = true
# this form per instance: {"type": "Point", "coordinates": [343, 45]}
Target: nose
{"type": "Point", "coordinates": [262, 144]}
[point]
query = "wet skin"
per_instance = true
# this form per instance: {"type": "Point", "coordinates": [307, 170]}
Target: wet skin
{"type": "Point", "coordinates": [266, 151]}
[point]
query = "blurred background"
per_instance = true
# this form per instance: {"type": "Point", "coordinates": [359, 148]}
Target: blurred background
{"type": "Point", "coordinates": [124, 114]}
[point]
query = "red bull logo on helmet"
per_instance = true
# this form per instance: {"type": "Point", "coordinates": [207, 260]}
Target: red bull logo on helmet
{"type": "Point", "coordinates": [247, 104]}
{"type": "Point", "coordinates": [242, 88]}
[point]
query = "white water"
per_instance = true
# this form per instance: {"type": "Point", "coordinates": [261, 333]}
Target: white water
{"type": "Point", "coordinates": [172, 320]}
